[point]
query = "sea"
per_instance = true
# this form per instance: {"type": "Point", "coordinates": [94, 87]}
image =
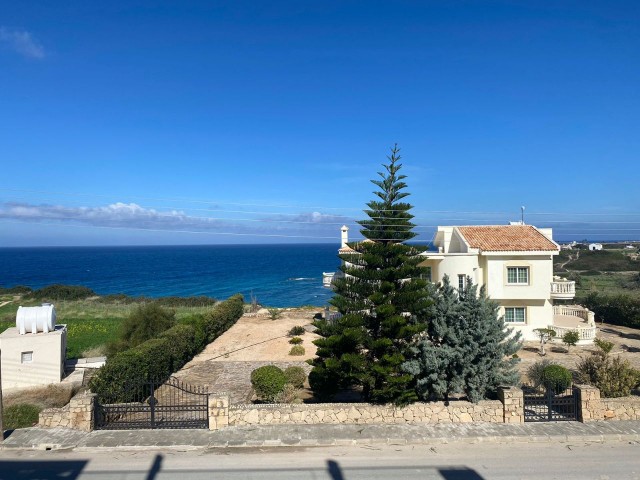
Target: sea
{"type": "Point", "coordinates": [276, 275]}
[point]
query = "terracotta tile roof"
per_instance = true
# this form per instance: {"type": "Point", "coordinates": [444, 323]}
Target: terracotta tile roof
{"type": "Point", "coordinates": [507, 238]}
{"type": "Point", "coordinates": [348, 249]}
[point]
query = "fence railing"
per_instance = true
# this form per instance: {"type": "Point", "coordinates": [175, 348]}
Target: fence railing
{"type": "Point", "coordinates": [571, 311]}
{"type": "Point", "coordinates": [563, 288]}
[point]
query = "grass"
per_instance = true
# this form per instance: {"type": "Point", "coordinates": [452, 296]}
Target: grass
{"type": "Point", "coordinates": [22, 415]}
{"type": "Point", "coordinates": [603, 261]}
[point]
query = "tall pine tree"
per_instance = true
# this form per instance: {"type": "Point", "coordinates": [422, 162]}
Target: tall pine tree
{"type": "Point", "coordinates": [466, 348]}
{"type": "Point", "coordinates": [382, 301]}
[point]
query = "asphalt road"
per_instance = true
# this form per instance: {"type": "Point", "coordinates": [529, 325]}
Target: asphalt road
{"type": "Point", "coordinates": [602, 461]}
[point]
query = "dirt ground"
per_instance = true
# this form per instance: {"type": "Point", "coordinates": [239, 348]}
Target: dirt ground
{"type": "Point", "coordinates": [258, 338]}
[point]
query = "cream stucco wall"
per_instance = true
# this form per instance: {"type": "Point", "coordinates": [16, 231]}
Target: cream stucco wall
{"type": "Point", "coordinates": [540, 276]}
{"type": "Point", "coordinates": [47, 364]}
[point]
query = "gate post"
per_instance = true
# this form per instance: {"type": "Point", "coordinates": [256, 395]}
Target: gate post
{"type": "Point", "coordinates": [218, 411]}
{"type": "Point", "coordinates": [588, 404]}
{"type": "Point", "coordinates": [512, 399]}
{"type": "Point", "coordinates": [82, 412]}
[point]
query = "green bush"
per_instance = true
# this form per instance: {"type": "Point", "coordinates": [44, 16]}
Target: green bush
{"type": "Point", "coordinates": [289, 394]}
{"type": "Point", "coordinates": [296, 341]}
{"type": "Point", "coordinates": [295, 376]}
{"type": "Point", "coordinates": [297, 350]}
{"type": "Point", "coordinates": [605, 346]}
{"type": "Point", "coordinates": [274, 313]}
{"type": "Point", "coordinates": [571, 338]}
{"type": "Point", "coordinates": [297, 330]}
{"type": "Point", "coordinates": [145, 322]}
{"type": "Point", "coordinates": [61, 292]}
{"type": "Point", "coordinates": [17, 290]}
{"type": "Point", "coordinates": [614, 377]}
{"type": "Point", "coordinates": [614, 309]}
{"type": "Point", "coordinates": [21, 415]}
{"type": "Point", "coordinates": [268, 381]}
{"type": "Point", "coordinates": [535, 372]}
{"type": "Point", "coordinates": [556, 378]}
{"type": "Point", "coordinates": [122, 377]}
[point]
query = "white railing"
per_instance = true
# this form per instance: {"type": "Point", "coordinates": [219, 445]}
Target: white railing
{"type": "Point", "coordinates": [563, 289]}
{"type": "Point", "coordinates": [571, 311]}
{"type": "Point", "coordinates": [585, 334]}
{"type": "Point", "coordinates": [327, 279]}
{"type": "Point", "coordinates": [331, 316]}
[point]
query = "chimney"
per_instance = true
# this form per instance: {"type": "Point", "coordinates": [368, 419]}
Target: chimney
{"type": "Point", "coordinates": [345, 236]}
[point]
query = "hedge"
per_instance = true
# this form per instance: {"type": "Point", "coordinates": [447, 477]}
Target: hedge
{"type": "Point", "coordinates": [614, 309]}
{"type": "Point", "coordinates": [122, 378]}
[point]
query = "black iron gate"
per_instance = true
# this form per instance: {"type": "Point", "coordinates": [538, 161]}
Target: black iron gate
{"type": "Point", "coordinates": [168, 404]}
{"type": "Point", "coordinates": [549, 406]}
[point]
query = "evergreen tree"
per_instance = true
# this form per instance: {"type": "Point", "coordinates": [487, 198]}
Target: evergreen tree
{"type": "Point", "coordinates": [466, 348]}
{"type": "Point", "coordinates": [382, 301]}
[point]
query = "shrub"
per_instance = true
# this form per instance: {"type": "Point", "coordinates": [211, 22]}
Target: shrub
{"type": "Point", "coordinates": [274, 313]}
{"type": "Point", "coordinates": [289, 394]}
{"type": "Point", "coordinates": [556, 378]}
{"type": "Point", "coordinates": [535, 372]}
{"type": "Point", "coordinates": [17, 290]}
{"type": "Point", "coordinates": [268, 381]}
{"type": "Point", "coordinates": [21, 415]}
{"type": "Point", "coordinates": [62, 292]}
{"type": "Point", "coordinates": [571, 338]}
{"type": "Point", "coordinates": [296, 341]}
{"type": "Point", "coordinates": [297, 350]}
{"type": "Point", "coordinates": [295, 376]}
{"type": "Point", "coordinates": [604, 345]}
{"type": "Point", "coordinates": [297, 330]}
{"type": "Point", "coordinates": [145, 322]}
{"type": "Point", "coordinates": [614, 378]}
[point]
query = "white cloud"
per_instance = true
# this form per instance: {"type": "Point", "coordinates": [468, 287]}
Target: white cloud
{"type": "Point", "coordinates": [132, 215]}
{"type": "Point", "coordinates": [114, 215]}
{"type": "Point", "coordinates": [22, 42]}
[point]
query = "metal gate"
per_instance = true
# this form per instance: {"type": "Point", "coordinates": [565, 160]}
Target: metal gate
{"type": "Point", "coordinates": [168, 404]}
{"type": "Point", "coordinates": [549, 406]}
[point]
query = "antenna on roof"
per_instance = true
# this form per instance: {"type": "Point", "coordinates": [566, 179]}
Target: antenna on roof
{"type": "Point", "coordinates": [522, 215]}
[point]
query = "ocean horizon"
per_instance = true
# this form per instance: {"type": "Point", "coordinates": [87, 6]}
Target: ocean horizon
{"type": "Point", "coordinates": [277, 275]}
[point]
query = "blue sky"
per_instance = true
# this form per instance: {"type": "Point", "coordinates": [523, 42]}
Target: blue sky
{"type": "Point", "coordinates": [247, 122]}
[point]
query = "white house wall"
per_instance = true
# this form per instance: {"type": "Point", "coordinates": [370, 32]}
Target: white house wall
{"type": "Point", "coordinates": [540, 277]}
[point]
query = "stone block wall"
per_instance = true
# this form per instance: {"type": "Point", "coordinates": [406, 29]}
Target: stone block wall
{"type": "Point", "coordinates": [362, 413]}
{"type": "Point", "coordinates": [77, 414]}
{"type": "Point", "coordinates": [592, 407]}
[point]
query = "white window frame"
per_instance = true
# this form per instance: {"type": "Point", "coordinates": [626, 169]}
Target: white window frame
{"type": "Point", "coordinates": [513, 319]}
{"type": "Point", "coordinates": [520, 279]}
{"type": "Point", "coordinates": [26, 357]}
{"type": "Point", "coordinates": [427, 275]}
{"type": "Point", "coordinates": [462, 282]}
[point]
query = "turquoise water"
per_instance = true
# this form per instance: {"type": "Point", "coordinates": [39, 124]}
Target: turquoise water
{"type": "Point", "coordinates": [278, 275]}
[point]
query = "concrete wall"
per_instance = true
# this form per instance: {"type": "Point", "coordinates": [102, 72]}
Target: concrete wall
{"type": "Point", "coordinates": [47, 360]}
{"type": "Point", "coordinates": [540, 277]}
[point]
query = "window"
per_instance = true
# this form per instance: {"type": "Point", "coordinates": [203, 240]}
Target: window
{"type": "Point", "coordinates": [515, 314]}
{"type": "Point", "coordinates": [427, 274]}
{"type": "Point", "coordinates": [462, 282]}
{"type": "Point", "coordinates": [26, 357]}
{"type": "Point", "coordinates": [518, 275]}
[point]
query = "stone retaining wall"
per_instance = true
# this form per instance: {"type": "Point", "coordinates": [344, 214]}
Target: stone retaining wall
{"type": "Point", "coordinates": [592, 407]}
{"type": "Point", "coordinates": [358, 413]}
{"type": "Point", "coordinates": [77, 414]}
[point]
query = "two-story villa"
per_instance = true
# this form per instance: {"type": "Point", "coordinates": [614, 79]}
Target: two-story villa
{"type": "Point", "coordinates": [515, 265]}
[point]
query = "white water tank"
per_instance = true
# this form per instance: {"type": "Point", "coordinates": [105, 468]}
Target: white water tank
{"type": "Point", "coordinates": [36, 319]}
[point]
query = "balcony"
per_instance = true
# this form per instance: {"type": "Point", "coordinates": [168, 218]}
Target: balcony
{"type": "Point", "coordinates": [576, 318]}
{"type": "Point", "coordinates": [562, 289]}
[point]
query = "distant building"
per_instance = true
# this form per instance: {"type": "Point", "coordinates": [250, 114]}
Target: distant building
{"type": "Point", "coordinates": [595, 246]}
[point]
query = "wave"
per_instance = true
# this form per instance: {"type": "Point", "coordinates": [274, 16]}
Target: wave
{"type": "Point", "coordinates": [301, 279]}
